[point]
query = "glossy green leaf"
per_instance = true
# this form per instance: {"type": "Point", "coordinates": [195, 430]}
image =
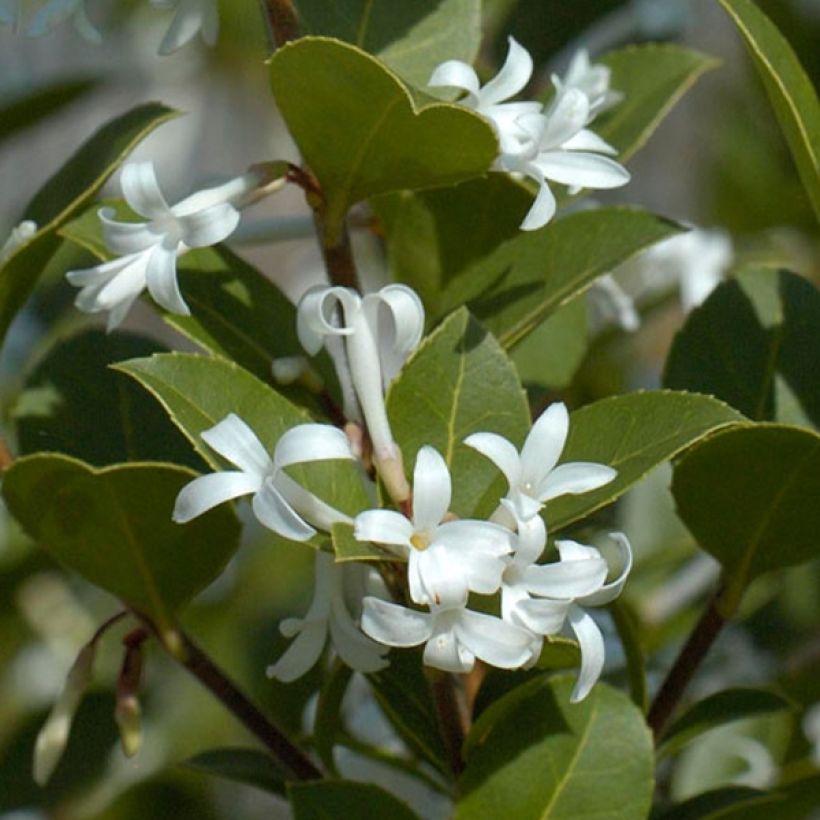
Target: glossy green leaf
{"type": "Point", "coordinates": [113, 526]}
{"type": "Point", "coordinates": [411, 37]}
{"type": "Point", "coordinates": [249, 766]}
{"type": "Point", "coordinates": [546, 757]}
{"type": "Point", "coordinates": [459, 381]}
{"type": "Point", "coordinates": [321, 800]}
{"type": "Point", "coordinates": [347, 548]}
{"type": "Point", "coordinates": [198, 391]}
{"type": "Point", "coordinates": [387, 144]}
{"type": "Point", "coordinates": [710, 804]}
{"type": "Point", "coordinates": [652, 77]}
{"type": "Point", "coordinates": [527, 278]}
{"type": "Point", "coordinates": [73, 403]}
{"type": "Point", "coordinates": [790, 90]}
{"type": "Point", "coordinates": [749, 497]}
{"type": "Point", "coordinates": [25, 110]}
{"type": "Point", "coordinates": [633, 433]}
{"type": "Point", "coordinates": [750, 337]}
{"type": "Point", "coordinates": [403, 694]}
{"type": "Point", "coordinates": [66, 194]}
{"type": "Point", "coordinates": [715, 710]}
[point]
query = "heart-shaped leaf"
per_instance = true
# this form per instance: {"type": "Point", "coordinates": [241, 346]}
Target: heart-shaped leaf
{"type": "Point", "coordinates": [749, 496]}
{"type": "Point", "coordinates": [383, 142]}
{"type": "Point", "coordinates": [319, 800]}
{"type": "Point", "coordinates": [113, 526]}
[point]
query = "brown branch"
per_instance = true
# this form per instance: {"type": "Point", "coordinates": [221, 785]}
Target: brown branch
{"type": "Point", "coordinates": [282, 19]}
{"type": "Point", "coordinates": [452, 717]}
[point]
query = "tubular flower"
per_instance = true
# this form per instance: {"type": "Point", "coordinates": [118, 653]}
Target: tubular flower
{"type": "Point", "coordinates": [55, 12]}
{"type": "Point", "coordinates": [488, 100]}
{"type": "Point", "coordinates": [192, 17]}
{"type": "Point", "coordinates": [453, 636]}
{"type": "Point", "coordinates": [18, 237]}
{"type": "Point", "coordinates": [329, 614]}
{"type": "Point", "coordinates": [380, 330]}
{"type": "Point", "coordinates": [148, 250]}
{"type": "Point", "coordinates": [533, 475]}
{"type": "Point", "coordinates": [445, 560]}
{"type": "Point", "coordinates": [278, 502]}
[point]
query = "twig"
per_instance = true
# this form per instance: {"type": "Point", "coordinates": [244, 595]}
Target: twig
{"type": "Point", "coordinates": [452, 717]}
{"type": "Point", "coordinates": [283, 22]}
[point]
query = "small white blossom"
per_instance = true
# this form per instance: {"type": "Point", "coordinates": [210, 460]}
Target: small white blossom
{"type": "Point", "coordinates": [533, 475]}
{"type": "Point", "coordinates": [592, 79]}
{"type": "Point", "coordinates": [611, 303]}
{"type": "Point", "coordinates": [55, 12]}
{"type": "Point", "coordinates": [380, 330]}
{"type": "Point", "coordinates": [453, 636]}
{"type": "Point", "coordinates": [148, 250]}
{"type": "Point", "coordinates": [192, 17]}
{"type": "Point", "coordinates": [336, 586]}
{"type": "Point", "coordinates": [279, 502]}
{"type": "Point", "coordinates": [445, 560]}
{"type": "Point", "coordinates": [18, 237]}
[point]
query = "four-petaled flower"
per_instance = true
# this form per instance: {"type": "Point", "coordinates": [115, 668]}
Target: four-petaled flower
{"type": "Point", "coordinates": [279, 502]}
{"type": "Point", "coordinates": [447, 559]}
{"type": "Point", "coordinates": [533, 475]}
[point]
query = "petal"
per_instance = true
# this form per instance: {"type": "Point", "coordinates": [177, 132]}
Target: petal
{"type": "Point", "coordinates": [311, 442]}
{"type": "Point", "coordinates": [566, 579]}
{"type": "Point", "coordinates": [357, 650]}
{"type": "Point", "coordinates": [274, 512]}
{"type": "Point", "coordinates": [466, 537]}
{"type": "Point", "coordinates": [443, 651]}
{"type": "Point", "coordinates": [573, 478]}
{"type": "Point", "coordinates": [161, 278]}
{"type": "Point", "coordinates": [573, 551]}
{"type": "Point", "coordinates": [608, 592]}
{"type": "Point", "coordinates": [541, 616]}
{"type": "Point", "coordinates": [235, 441]}
{"type": "Point", "coordinates": [125, 237]}
{"type": "Point", "coordinates": [500, 452]}
{"type": "Point", "coordinates": [394, 625]}
{"type": "Point", "coordinates": [208, 491]}
{"type": "Point", "coordinates": [542, 209]}
{"type": "Point", "coordinates": [483, 573]}
{"type": "Point", "coordinates": [309, 506]}
{"type": "Point", "coordinates": [494, 641]}
{"type": "Point", "coordinates": [523, 507]}
{"type": "Point", "coordinates": [544, 444]}
{"type": "Point", "coordinates": [118, 313]}
{"type": "Point", "coordinates": [431, 490]}
{"type": "Point", "coordinates": [141, 191]}
{"type": "Point", "coordinates": [586, 140]}
{"type": "Point", "coordinates": [208, 226]}
{"type": "Point", "coordinates": [316, 315]}
{"type": "Point", "coordinates": [84, 27]}
{"type": "Point", "coordinates": [456, 74]}
{"type": "Point", "coordinates": [441, 576]}
{"type": "Point", "coordinates": [513, 76]}
{"type": "Point", "coordinates": [567, 115]}
{"type": "Point", "coordinates": [532, 538]}
{"type": "Point", "coordinates": [184, 27]}
{"type": "Point", "coordinates": [384, 527]}
{"type": "Point", "coordinates": [592, 652]}
{"type": "Point", "coordinates": [125, 284]}
{"type": "Point", "coordinates": [581, 169]}
{"type": "Point", "coordinates": [302, 654]}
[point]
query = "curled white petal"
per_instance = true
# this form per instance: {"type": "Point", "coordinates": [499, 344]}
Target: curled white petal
{"type": "Point", "coordinates": [311, 442]}
{"type": "Point", "coordinates": [513, 76]}
{"type": "Point", "coordinates": [394, 625]}
{"type": "Point", "coordinates": [592, 652]}
{"type": "Point", "coordinates": [609, 592]}
{"type": "Point", "coordinates": [431, 489]}
{"type": "Point", "coordinates": [235, 441]}
{"type": "Point", "coordinates": [161, 279]}
{"type": "Point", "coordinates": [500, 452]}
{"type": "Point", "coordinates": [456, 74]}
{"type": "Point", "coordinates": [208, 491]}
{"type": "Point", "coordinates": [573, 478]}
{"type": "Point", "coordinates": [384, 527]}
{"type": "Point", "coordinates": [273, 511]}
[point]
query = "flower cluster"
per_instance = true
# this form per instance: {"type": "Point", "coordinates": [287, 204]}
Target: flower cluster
{"type": "Point", "coordinates": [543, 143]}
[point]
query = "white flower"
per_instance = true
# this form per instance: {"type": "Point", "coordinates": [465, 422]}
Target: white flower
{"type": "Point", "coordinates": [454, 636]}
{"type": "Point", "coordinates": [488, 100]}
{"type": "Point", "coordinates": [278, 501]}
{"type": "Point", "coordinates": [593, 80]}
{"type": "Point", "coordinates": [533, 476]}
{"type": "Point", "coordinates": [611, 303]}
{"type": "Point", "coordinates": [149, 249]}
{"type": "Point", "coordinates": [445, 560]}
{"type": "Point", "coordinates": [542, 597]}
{"type": "Point", "coordinates": [192, 17]}
{"type": "Point", "coordinates": [380, 330]}
{"type": "Point", "coordinates": [55, 12]}
{"type": "Point", "coordinates": [329, 614]}
{"type": "Point", "coordinates": [18, 237]}
{"type": "Point", "coordinates": [52, 738]}
{"type": "Point", "coordinates": [565, 152]}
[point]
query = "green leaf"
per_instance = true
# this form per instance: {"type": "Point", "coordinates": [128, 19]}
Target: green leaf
{"type": "Point", "coordinates": [113, 526]}
{"type": "Point", "coordinates": [789, 88]}
{"type": "Point", "coordinates": [27, 109]}
{"type": "Point", "coordinates": [347, 548]}
{"type": "Point", "coordinates": [249, 766]}
{"type": "Point", "coordinates": [328, 724]}
{"type": "Point", "coordinates": [747, 339]}
{"type": "Point", "coordinates": [403, 694]}
{"type": "Point", "coordinates": [633, 433]}
{"type": "Point", "coordinates": [530, 276]}
{"type": "Point", "coordinates": [321, 800]}
{"type": "Point", "coordinates": [411, 37]}
{"type": "Point", "coordinates": [546, 757]}
{"type": "Point", "coordinates": [387, 144]}
{"type": "Point", "coordinates": [652, 77]}
{"type": "Point", "coordinates": [459, 381]}
{"type": "Point", "coordinates": [75, 404]}
{"type": "Point", "coordinates": [749, 497]}
{"type": "Point", "coordinates": [66, 194]}
{"type": "Point", "coordinates": [715, 710]}
{"type": "Point", "coordinates": [709, 804]}
{"type": "Point", "coordinates": [198, 391]}
{"type": "Point", "coordinates": [432, 236]}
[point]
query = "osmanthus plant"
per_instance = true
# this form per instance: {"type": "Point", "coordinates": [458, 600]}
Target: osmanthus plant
{"type": "Point", "coordinates": [461, 564]}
